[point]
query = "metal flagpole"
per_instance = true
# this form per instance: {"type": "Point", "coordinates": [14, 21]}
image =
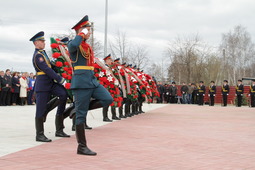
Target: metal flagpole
{"type": "Point", "coordinates": [105, 33]}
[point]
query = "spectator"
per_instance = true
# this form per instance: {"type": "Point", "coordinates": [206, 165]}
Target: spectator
{"type": "Point", "coordinates": [184, 91]}
{"type": "Point", "coordinates": [161, 90]}
{"type": "Point", "coordinates": [31, 82]}
{"type": "Point", "coordinates": [167, 93]}
{"type": "Point", "coordinates": [6, 88]}
{"type": "Point", "coordinates": [1, 77]}
{"type": "Point", "coordinates": [15, 88]}
{"type": "Point", "coordinates": [23, 88]}
{"type": "Point", "coordinates": [189, 95]}
{"type": "Point", "coordinates": [194, 93]}
{"type": "Point", "coordinates": [173, 93]}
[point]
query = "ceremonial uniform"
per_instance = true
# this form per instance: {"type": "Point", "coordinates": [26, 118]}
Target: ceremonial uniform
{"type": "Point", "coordinates": [84, 84]}
{"type": "Point", "coordinates": [212, 92]}
{"type": "Point", "coordinates": [239, 93]}
{"type": "Point", "coordinates": [48, 82]}
{"type": "Point", "coordinates": [201, 93]}
{"type": "Point", "coordinates": [252, 94]}
{"type": "Point", "coordinates": [225, 92]}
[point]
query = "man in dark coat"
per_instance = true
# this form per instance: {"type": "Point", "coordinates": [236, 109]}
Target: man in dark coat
{"type": "Point", "coordinates": [173, 93]}
{"type": "Point", "coordinates": [6, 84]}
{"type": "Point", "coordinates": [201, 93]}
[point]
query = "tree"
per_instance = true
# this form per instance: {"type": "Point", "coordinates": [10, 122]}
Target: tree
{"type": "Point", "coordinates": [139, 56]}
{"type": "Point", "coordinates": [238, 51]}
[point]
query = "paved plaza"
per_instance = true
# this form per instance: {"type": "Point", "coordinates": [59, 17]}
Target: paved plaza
{"type": "Point", "coordinates": [166, 137]}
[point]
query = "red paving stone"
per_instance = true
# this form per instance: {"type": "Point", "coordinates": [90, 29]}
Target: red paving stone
{"type": "Point", "coordinates": [173, 137]}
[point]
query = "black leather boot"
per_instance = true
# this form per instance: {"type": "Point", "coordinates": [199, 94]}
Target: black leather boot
{"type": "Point", "coordinates": [121, 112]}
{"type": "Point", "coordinates": [50, 106]}
{"type": "Point", "coordinates": [86, 126]}
{"type": "Point", "coordinates": [95, 104]}
{"type": "Point", "coordinates": [73, 126]}
{"type": "Point", "coordinates": [82, 143]}
{"type": "Point", "coordinates": [40, 137]}
{"type": "Point", "coordinates": [105, 116]}
{"type": "Point", "coordinates": [140, 108]}
{"type": "Point", "coordinates": [68, 111]}
{"type": "Point", "coordinates": [114, 116]}
{"type": "Point", "coordinates": [60, 126]}
{"type": "Point", "coordinates": [127, 110]}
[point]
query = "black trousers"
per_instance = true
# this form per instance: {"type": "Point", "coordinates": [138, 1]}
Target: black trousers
{"type": "Point", "coordinates": [201, 99]}
{"type": "Point", "coordinates": [15, 97]}
{"type": "Point", "coordinates": [212, 99]}
{"type": "Point", "coordinates": [239, 100]}
{"type": "Point", "coordinates": [225, 99]}
{"type": "Point", "coordinates": [252, 99]}
{"type": "Point", "coordinates": [6, 97]}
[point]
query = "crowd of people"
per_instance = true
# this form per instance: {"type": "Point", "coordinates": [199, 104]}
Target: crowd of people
{"type": "Point", "coordinates": [16, 88]}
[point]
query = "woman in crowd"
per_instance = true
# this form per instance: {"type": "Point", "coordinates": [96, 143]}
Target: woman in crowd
{"type": "Point", "coordinates": [15, 88]}
{"type": "Point", "coordinates": [23, 88]}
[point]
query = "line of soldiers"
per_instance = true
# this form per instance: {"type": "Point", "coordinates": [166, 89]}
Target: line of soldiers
{"type": "Point", "coordinates": [193, 94]}
{"type": "Point", "coordinates": [76, 74]}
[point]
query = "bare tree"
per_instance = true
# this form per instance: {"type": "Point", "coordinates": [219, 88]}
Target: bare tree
{"type": "Point", "coordinates": [139, 56]}
{"type": "Point", "coordinates": [238, 51]}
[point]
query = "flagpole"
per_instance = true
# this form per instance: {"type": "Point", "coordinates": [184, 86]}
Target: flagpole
{"type": "Point", "coordinates": [105, 32]}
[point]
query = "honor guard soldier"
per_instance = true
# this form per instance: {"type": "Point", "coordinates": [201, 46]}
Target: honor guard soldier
{"type": "Point", "coordinates": [84, 84]}
{"type": "Point", "coordinates": [225, 92]}
{"type": "Point", "coordinates": [252, 93]}
{"type": "Point", "coordinates": [212, 93]}
{"type": "Point", "coordinates": [48, 82]}
{"type": "Point", "coordinates": [239, 93]}
{"type": "Point", "coordinates": [201, 93]}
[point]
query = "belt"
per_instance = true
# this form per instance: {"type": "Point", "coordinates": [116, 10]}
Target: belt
{"type": "Point", "coordinates": [83, 68]}
{"type": "Point", "coordinates": [40, 73]}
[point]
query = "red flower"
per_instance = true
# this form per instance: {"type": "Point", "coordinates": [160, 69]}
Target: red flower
{"type": "Point", "coordinates": [54, 45]}
{"type": "Point", "coordinates": [56, 55]}
{"type": "Point", "coordinates": [68, 85]}
{"type": "Point", "coordinates": [66, 63]}
{"type": "Point", "coordinates": [64, 75]}
{"type": "Point", "coordinates": [96, 66]}
{"type": "Point", "coordinates": [111, 86]}
{"type": "Point", "coordinates": [66, 68]}
{"type": "Point", "coordinates": [97, 75]}
{"type": "Point", "coordinates": [58, 64]}
{"type": "Point", "coordinates": [69, 77]}
{"type": "Point", "coordinates": [69, 72]}
{"type": "Point", "coordinates": [143, 95]}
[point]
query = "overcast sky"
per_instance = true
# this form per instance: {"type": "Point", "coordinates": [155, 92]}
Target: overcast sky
{"type": "Point", "coordinates": [152, 23]}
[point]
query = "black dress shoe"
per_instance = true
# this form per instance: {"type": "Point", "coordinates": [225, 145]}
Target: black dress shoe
{"type": "Point", "coordinates": [115, 118]}
{"type": "Point", "coordinates": [107, 119]}
{"type": "Point", "coordinates": [87, 127]}
{"type": "Point", "coordinates": [42, 138]}
{"type": "Point", "coordinates": [122, 116]}
{"type": "Point", "coordinates": [62, 134]}
{"type": "Point", "coordinates": [83, 150]}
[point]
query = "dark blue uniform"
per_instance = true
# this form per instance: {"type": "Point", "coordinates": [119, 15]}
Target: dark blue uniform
{"type": "Point", "coordinates": [84, 84]}
{"type": "Point", "coordinates": [47, 82]}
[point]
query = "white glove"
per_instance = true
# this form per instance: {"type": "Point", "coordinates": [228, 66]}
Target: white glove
{"type": "Point", "coordinates": [208, 95]}
{"type": "Point", "coordinates": [241, 94]}
{"type": "Point", "coordinates": [85, 31]}
{"type": "Point", "coordinates": [214, 95]}
{"type": "Point", "coordinates": [203, 94]}
{"type": "Point", "coordinates": [249, 94]}
{"type": "Point", "coordinates": [227, 94]}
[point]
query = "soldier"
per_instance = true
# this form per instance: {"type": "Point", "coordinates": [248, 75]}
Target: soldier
{"type": "Point", "coordinates": [108, 62]}
{"type": "Point", "coordinates": [212, 92]}
{"type": "Point", "coordinates": [47, 82]}
{"type": "Point", "coordinates": [161, 91]}
{"type": "Point", "coordinates": [252, 93]}
{"type": "Point", "coordinates": [84, 84]}
{"type": "Point", "coordinates": [225, 91]}
{"type": "Point", "coordinates": [239, 93]}
{"type": "Point", "coordinates": [201, 93]}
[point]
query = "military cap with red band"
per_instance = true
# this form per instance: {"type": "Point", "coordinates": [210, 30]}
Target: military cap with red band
{"type": "Point", "coordinates": [84, 22]}
{"type": "Point", "coordinates": [107, 57]}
